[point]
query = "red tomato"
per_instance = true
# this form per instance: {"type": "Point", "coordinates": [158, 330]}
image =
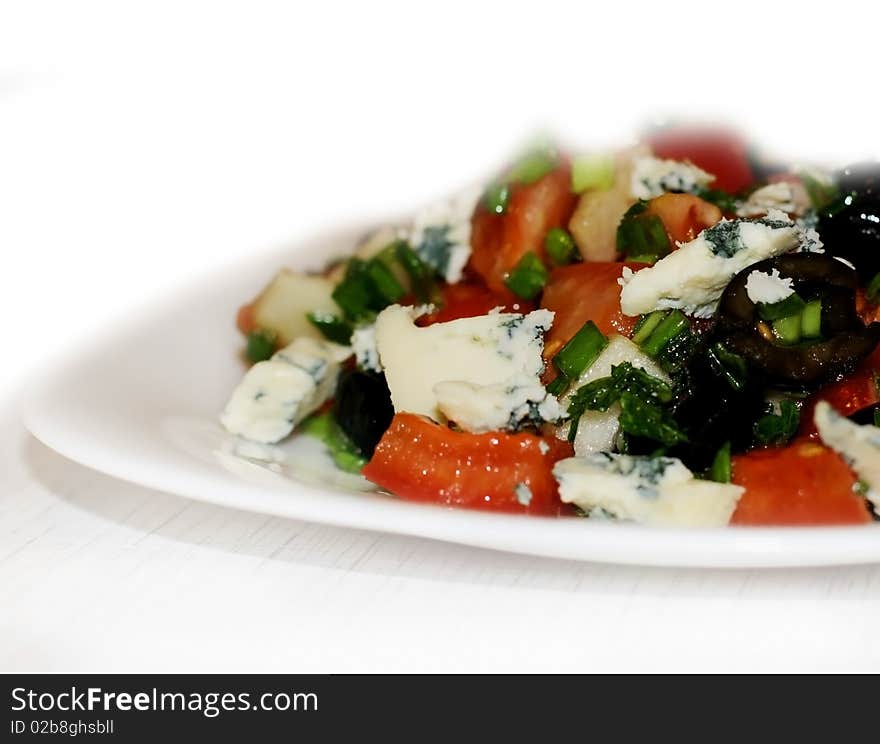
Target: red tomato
{"type": "Point", "coordinates": [466, 300]}
{"type": "Point", "coordinates": [245, 318]}
{"type": "Point", "coordinates": [500, 241]}
{"type": "Point", "coordinates": [683, 215]}
{"type": "Point", "coordinates": [853, 393]}
{"type": "Point", "coordinates": [804, 483]}
{"type": "Point", "coordinates": [582, 292]}
{"type": "Point", "coordinates": [720, 152]}
{"type": "Point", "coordinates": [419, 460]}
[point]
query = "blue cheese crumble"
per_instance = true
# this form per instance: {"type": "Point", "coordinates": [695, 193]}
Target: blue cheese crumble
{"type": "Point", "coordinates": [444, 369]}
{"type": "Point", "coordinates": [441, 234]}
{"type": "Point", "coordinates": [363, 344]}
{"type": "Point", "coordinates": [657, 491]}
{"type": "Point", "coordinates": [275, 395]}
{"type": "Point", "coordinates": [780, 196]}
{"type": "Point", "coordinates": [768, 288]}
{"type": "Point", "coordinates": [693, 277]}
{"type": "Point", "coordinates": [523, 494]}
{"type": "Point", "coordinates": [652, 177]}
{"type": "Point", "coordinates": [858, 445]}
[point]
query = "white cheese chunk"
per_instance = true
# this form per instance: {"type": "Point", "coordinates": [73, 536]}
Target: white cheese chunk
{"type": "Point", "coordinates": [495, 349]}
{"type": "Point", "coordinates": [275, 395]}
{"type": "Point", "coordinates": [503, 405]}
{"type": "Point", "coordinates": [652, 177]}
{"type": "Point", "coordinates": [597, 430]}
{"type": "Point", "coordinates": [693, 277]}
{"type": "Point", "coordinates": [441, 233]}
{"type": "Point", "coordinates": [654, 491]}
{"type": "Point", "coordinates": [363, 344]}
{"type": "Point", "coordinates": [858, 445]}
{"type": "Point", "coordinates": [778, 195]}
{"type": "Point", "coordinates": [768, 288]}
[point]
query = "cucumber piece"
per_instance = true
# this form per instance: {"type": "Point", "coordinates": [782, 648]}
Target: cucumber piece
{"type": "Point", "coordinates": [811, 319]}
{"type": "Point", "coordinates": [788, 330]}
{"type": "Point", "coordinates": [592, 172]}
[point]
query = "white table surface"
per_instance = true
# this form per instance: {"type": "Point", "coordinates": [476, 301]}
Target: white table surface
{"type": "Point", "coordinates": [130, 159]}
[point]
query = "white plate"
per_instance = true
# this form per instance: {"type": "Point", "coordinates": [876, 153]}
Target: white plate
{"type": "Point", "coordinates": [142, 405]}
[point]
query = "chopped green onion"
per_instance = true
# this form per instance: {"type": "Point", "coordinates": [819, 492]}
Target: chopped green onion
{"type": "Point", "coordinates": [384, 282]}
{"type": "Point", "coordinates": [791, 305]}
{"type": "Point", "coordinates": [646, 325]}
{"type": "Point", "coordinates": [560, 246]}
{"type": "Point", "coordinates": [496, 197]}
{"type": "Point", "coordinates": [778, 428]}
{"type": "Point", "coordinates": [533, 165]}
{"type": "Point", "coordinates": [421, 275]}
{"type": "Point", "coordinates": [343, 451]}
{"type": "Point", "coordinates": [528, 277]}
{"type": "Point", "coordinates": [788, 330]}
{"type": "Point", "coordinates": [594, 171]}
{"type": "Point", "coordinates": [331, 326]}
{"type": "Point", "coordinates": [811, 319]}
{"type": "Point", "coordinates": [877, 417]}
{"type": "Point", "coordinates": [874, 289]}
{"type": "Point", "coordinates": [720, 472]}
{"type": "Point", "coordinates": [260, 345]}
{"type": "Point", "coordinates": [667, 329]}
{"type": "Point", "coordinates": [558, 385]}
{"type": "Point", "coordinates": [581, 351]}
{"type": "Point", "coordinates": [354, 294]}
{"type": "Point", "coordinates": [642, 236]}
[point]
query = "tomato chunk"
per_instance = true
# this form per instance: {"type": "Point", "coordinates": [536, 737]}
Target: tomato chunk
{"type": "Point", "coordinates": [419, 460]}
{"type": "Point", "coordinates": [244, 320]}
{"type": "Point", "coordinates": [804, 483]}
{"type": "Point", "coordinates": [499, 241]}
{"type": "Point", "coordinates": [683, 215]}
{"type": "Point", "coordinates": [466, 300]}
{"type": "Point", "coordinates": [582, 292]}
{"type": "Point", "coordinates": [717, 151]}
{"type": "Point", "coordinates": [853, 393]}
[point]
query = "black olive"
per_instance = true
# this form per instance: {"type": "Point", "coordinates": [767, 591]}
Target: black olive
{"type": "Point", "coordinates": [860, 179]}
{"type": "Point", "coordinates": [866, 415]}
{"type": "Point", "coordinates": [845, 339]}
{"type": "Point", "coordinates": [362, 407]}
{"type": "Point", "coordinates": [852, 231]}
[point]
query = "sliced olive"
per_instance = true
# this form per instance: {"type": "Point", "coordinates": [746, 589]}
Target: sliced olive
{"type": "Point", "coordinates": [860, 179]}
{"type": "Point", "coordinates": [869, 415]}
{"type": "Point", "coordinates": [844, 340]}
{"type": "Point", "coordinates": [362, 407]}
{"type": "Point", "coordinates": [852, 231]}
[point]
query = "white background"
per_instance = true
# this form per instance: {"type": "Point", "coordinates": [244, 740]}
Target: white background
{"type": "Point", "coordinates": [142, 144]}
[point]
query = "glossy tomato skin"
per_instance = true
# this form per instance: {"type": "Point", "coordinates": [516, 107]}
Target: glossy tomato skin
{"type": "Point", "coordinates": [244, 320]}
{"type": "Point", "coordinates": [499, 241]}
{"type": "Point", "coordinates": [853, 393]}
{"type": "Point", "coordinates": [582, 292]}
{"type": "Point", "coordinates": [419, 460]}
{"type": "Point", "coordinates": [470, 299]}
{"type": "Point", "coordinates": [683, 215]}
{"type": "Point", "coordinates": [802, 484]}
{"type": "Point", "coordinates": [717, 151]}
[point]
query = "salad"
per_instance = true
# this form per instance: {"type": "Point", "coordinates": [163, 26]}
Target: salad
{"type": "Point", "coordinates": [678, 333]}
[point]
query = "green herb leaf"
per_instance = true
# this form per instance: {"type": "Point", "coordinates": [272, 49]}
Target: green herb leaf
{"type": "Point", "coordinates": [496, 197]}
{"type": "Point", "coordinates": [641, 418]}
{"type": "Point", "coordinates": [725, 202]}
{"type": "Point", "coordinates": [641, 235]}
{"type": "Point", "coordinates": [778, 428]}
